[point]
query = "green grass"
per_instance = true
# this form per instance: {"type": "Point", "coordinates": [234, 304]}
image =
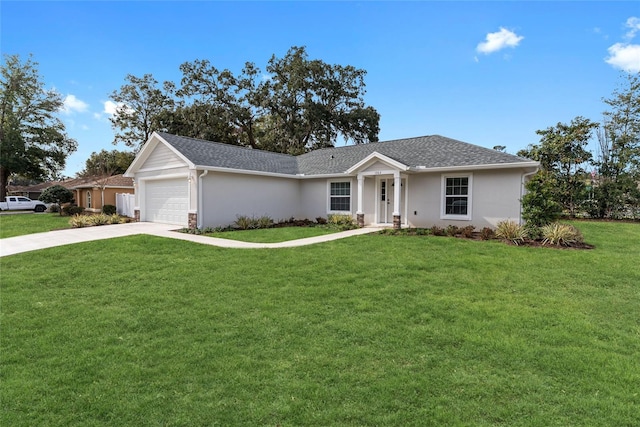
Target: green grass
{"type": "Point", "coordinates": [273, 235]}
{"type": "Point", "coordinates": [20, 224]}
{"type": "Point", "coordinates": [370, 330]}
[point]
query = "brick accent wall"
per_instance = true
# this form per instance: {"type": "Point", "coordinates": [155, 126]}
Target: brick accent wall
{"type": "Point", "coordinates": [193, 220]}
{"type": "Point", "coordinates": [397, 222]}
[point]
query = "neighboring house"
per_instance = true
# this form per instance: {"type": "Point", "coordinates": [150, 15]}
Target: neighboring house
{"type": "Point", "coordinates": [95, 192]}
{"type": "Point", "coordinates": [416, 182]}
{"type": "Point", "coordinates": [34, 191]}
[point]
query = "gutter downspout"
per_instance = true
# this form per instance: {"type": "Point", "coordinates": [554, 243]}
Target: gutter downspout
{"type": "Point", "coordinates": [522, 183]}
{"type": "Point", "coordinates": [200, 202]}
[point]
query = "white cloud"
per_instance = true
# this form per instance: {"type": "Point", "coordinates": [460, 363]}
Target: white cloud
{"type": "Point", "coordinates": [633, 24]}
{"type": "Point", "coordinates": [72, 104]}
{"type": "Point", "coordinates": [111, 108]}
{"type": "Point", "coordinates": [498, 41]}
{"type": "Point", "coordinates": [625, 56]}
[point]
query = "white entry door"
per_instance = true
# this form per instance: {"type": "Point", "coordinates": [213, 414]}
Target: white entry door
{"type": "Point", "coordinates": [166, 201]}
{"type": "Point", "coordinates": [386, 199]}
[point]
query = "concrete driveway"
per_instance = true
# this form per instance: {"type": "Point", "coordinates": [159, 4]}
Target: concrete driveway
{"type": "Point", "coordinates": [32, 242]}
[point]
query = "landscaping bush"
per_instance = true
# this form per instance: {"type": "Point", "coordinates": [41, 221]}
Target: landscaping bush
{"type": "Point", "coordinates": [321, 221]}
{"type": "Point", "coordinates": [467, 231]}
{"type": "Point", "coordinates": [108, 209]}
{"type": "Point", "coordinates": [98, 219]}
{"type": "Point", "coordinates": [264, 221]}
{"type": "Point", "coordinates": [561, 235]}
{"type": "Point", "coordinates": [437, 231]}
{"type": "Point", "coordinates": [452, 230]}
{"type": "Point", "coordinates": [71, 210]}
{"type": "Point", "coordinates": [80, 221]}
{"type": "Point", "coordinates": [244, 222]}
{"type": "Point", "coordinates": [511, 231]}
{"type": "Point", "coordinates": [487, 233]}
{"type": "Point", "coordinates": [341, 222]}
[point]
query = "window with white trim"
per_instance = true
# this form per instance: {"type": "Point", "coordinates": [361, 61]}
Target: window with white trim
{"type": "Point", "coordinates": [340, 196]}
{"type": "Point", "coordinates": [89, 199]}
{"type": "Point", "coordinates": [456, 194]}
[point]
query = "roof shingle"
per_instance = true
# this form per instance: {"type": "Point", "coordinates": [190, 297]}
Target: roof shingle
{"type": "Point", "coordinates": [424, 152]}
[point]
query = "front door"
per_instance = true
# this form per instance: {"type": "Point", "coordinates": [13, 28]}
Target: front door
{"type": "Point", "coordinates": [386, 196]}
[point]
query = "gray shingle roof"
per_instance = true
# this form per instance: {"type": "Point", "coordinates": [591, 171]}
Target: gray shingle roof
{"type": "Point", "coordinates": [215, 154]}
{"type": "Point", "coordinates": [427, 151]}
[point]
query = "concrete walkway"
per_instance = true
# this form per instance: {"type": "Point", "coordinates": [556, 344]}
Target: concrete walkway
{"type": "Point", "coordinates": [32, 242]}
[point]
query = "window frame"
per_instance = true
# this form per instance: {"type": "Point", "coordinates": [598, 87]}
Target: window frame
{"type": "Point", "coordinates": [469, 196]}
{"type": "Point", "coordinates": [330, 196]}
{"type": "Point", "coordinates": [89, 197]}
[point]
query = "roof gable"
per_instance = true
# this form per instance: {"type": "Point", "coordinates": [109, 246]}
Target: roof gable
{"type": "Point", "coordinates": [375, 158]}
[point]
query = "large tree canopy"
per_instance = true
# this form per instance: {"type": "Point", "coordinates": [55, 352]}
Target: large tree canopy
{"type": "Point", "coordinates": [563, 154]}
{"type": "Point", "coordinates": [618, 162]}
{"type": "Point", "coordinates": [33, 141]}
{"type": "Point", "coordinates": [297, 105]}
{"type": "Point", "coordinates": [107, 163]}
{"type": "Point", "coordinates": [139, 106]}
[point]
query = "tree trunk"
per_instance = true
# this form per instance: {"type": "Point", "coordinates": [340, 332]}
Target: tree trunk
{"type": "Point", "coordinates": [4, 180]}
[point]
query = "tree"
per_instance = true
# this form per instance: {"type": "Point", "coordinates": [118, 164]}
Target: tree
{"type": "Point", "coordinates": [314, 103]}
{"type": "Point", "coordinates": [562, 152]}
{"type": "Point", "coordinates": [109, 163]}
{"type": "Point", "coordinates": [301, 105]}
{"type": "Point", "coordinates": [618, 164]}
{"type": "Point", "coordinates": [139, 105]}
{"type": "Point", "coordinates": [539, 207]}
{"type": "Point", "coordinates": [57, 194]}
{"type": "Point", "coordinates": [33, 141]}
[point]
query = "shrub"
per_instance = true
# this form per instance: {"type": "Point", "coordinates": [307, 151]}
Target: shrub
{"type": "Point", "coordinates": [342, 222]}
{"type": "Point", "coordinates": [320, 220]}
{"type": "Point", "coordinates": [244, 222]}
{"type": "Point", "coordinates": [117, 219]}
{"type": "Point", "coordinates": [98, 219]}
{"type": "Point", "coordinates": [468, 231]}
{"type": "Point", "coordinates": [539, 205]}
{"type": "Point", "coordinates": [452, 230]}
{"type": "Point", "coordinates": [80, 221]}
{"type": "Point", "coordinates": [561, 235]}
{"type": "Point", "coordinates": [54, 208]}
{"type": "Point", "coordinates": [108, 209]}
{"type": "Point", "coordinates": [511, 231]}
{"type": "Point", "coordinates": [437, 231]}
{"type": "Point", "coordinates": [57, 194]}
{"type": "Point", "coordinates": [72, 210]}
{"type": "Point", "coordinates": [264, 221]}
{"type": "Point", "coordinates": [487, 233]}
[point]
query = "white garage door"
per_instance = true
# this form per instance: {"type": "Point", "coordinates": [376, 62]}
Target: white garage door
{"type": "Point", "coordinates": [166, 201]}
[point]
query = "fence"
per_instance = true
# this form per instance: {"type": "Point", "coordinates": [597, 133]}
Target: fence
{"type": "Point", "coordinates": [125, 203]}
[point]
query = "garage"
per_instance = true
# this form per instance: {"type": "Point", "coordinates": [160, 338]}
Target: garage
{"type": "Point", "coordinates": [167, 201]}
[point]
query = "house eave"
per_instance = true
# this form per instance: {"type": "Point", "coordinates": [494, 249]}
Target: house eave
{"type": "Point", "coordinates": [516, 165]}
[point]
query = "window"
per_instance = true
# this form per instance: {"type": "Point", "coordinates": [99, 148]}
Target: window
{"type": "Point", "coordinates": [89, 199]}
{"type": "Point", "coordinates": [340, 196]}
{"type": "Point", "coordinates": [457, 197]}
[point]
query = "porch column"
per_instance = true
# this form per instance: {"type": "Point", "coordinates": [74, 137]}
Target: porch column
{"type": "Point", "coordinates": [360, 211]}
{"type": "Point", "coordinates": [397, 183]}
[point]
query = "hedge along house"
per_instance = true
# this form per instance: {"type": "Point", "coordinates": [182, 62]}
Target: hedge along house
{"type": "Point", "coordinates": [415, 182]}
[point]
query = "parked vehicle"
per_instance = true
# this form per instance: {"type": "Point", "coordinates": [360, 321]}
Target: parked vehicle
{"type": "Point", "coordinates": [19, 203]}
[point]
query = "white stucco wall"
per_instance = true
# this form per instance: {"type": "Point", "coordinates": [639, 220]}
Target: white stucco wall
{"type": "Point", "coordinates": [495, 197]}
{"type": "Point", "coordinates": [313, 198]}
{"type": "Point", "coordinates": [226, 195]}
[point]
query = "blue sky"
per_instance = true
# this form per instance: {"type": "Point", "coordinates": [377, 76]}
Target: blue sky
{"type": "Point", "coordinates": [488, 73]}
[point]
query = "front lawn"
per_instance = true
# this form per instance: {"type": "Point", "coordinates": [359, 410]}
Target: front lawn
{"type": "Point", "coordinates": [28, 223]}
{"type": "Point", "coordinates": [369, 330]}
{"type": "Point", "coordinates": [273, 235]}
